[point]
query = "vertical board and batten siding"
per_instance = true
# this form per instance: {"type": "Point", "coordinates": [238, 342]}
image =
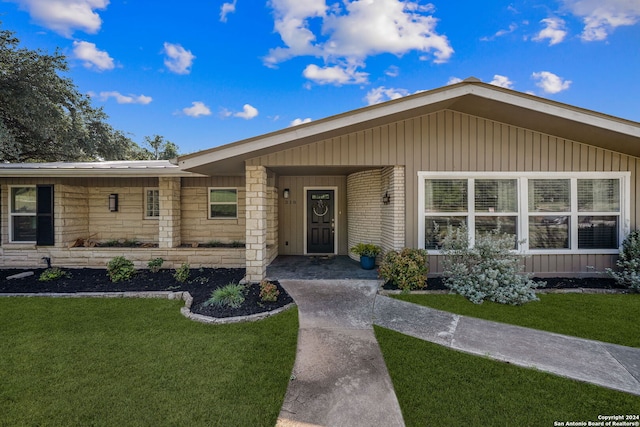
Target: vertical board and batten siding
{"type": "Point", "coordinates": [448, 141]}
{"type": "Point", "coordinates": [291, 215]}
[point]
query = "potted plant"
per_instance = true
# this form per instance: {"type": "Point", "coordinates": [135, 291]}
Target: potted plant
{"type": "Point", "coordinates": [368, 253]}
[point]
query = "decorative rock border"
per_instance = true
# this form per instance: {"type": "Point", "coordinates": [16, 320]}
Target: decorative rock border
{"type": "Point", "coordinates": [169, 295]}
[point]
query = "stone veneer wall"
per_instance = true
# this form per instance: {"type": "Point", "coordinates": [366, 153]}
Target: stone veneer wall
{"type": "Point", "coordinates": [169, 223]}
{"type": "Point", "coordinates": [29, 256]}
{"type": "Point", "coordinates": [256, 220]}
{"type": "Point", "coordinates": [364, 208]}
{"type": "Point", "coordinates": [393, 215]}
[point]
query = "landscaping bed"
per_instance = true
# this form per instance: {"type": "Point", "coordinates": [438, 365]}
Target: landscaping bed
{"type": "Point", "coordinates": [200, 284]}
{"type": "Point", "coordinates": [605, 282]}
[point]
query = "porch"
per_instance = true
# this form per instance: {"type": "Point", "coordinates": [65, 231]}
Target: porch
{"type": "Point", "coordinates": [318, 267]}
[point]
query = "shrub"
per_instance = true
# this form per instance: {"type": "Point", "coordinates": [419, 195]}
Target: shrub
{"type": "Point", "coordinates": [155, 264]}
{"type": "Point", "coordinates": [182, 273]}
{"type": "Point", "coordinates": [366, 249]}
{"type": "Point", "coordinates": [628, 263]}
{"type": "Point", "coordinates": [490, 270]}
{"type": "Point", "coordinates": [268, 292]}
{"type": "Point", "coordinates": [231, 295]}
{"type": "Point", "coordinates": [120, 268]}
{"type": "Point", "coordinates": [54, 273]}
{"type": "Point", "coordinates": [407, 269]}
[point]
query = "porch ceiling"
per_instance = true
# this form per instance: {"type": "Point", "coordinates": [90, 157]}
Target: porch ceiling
{"type": "Point", "coordinates": [319, 170]}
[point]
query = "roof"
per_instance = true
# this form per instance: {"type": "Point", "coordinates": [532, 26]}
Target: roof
{"type": "Point", "coordinates": [119, 168]}
{"type": "Point", "coordinates": [470, 96]}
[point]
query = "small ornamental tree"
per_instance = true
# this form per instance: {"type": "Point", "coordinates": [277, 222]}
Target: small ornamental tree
{"type": "Point", "coordinates": [628, 263]}
{"type": "Point", "coordinates": [489, 270]}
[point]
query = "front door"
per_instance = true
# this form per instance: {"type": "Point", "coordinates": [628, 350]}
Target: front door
{"type": "Point", "coordinates": [320, 222]}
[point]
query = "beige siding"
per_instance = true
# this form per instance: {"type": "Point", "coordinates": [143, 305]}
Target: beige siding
{"type": "Point", "coordinates": [291, 215]}
{"type": "Point", "coordinates": [452, 141]}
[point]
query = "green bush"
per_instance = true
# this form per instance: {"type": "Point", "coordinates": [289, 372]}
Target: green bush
{"type": "Point", "coordinates": [120, 268]}
{"type": "Point", "coordinates": [488, 270]}
{"type": "Point", "coordinates": [268, 291]}
{"type": "Point", "coordinates": [628, 263]}
{"type": "Point", "coordinates": [182, 273]}
{"type": "Point", "coordinates": [407, 269]}
{"type": "Point", "coordinates": [231, 295]}
{"type": "Point", "coordinates": [155, 264]}
{"type": "Point", "coordinates": [54, 273]}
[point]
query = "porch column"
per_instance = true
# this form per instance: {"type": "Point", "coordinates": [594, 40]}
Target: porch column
{"type": "Point", "coordinates": [169, 221]}
{"type": "Point", "coordinates": [256, 223]}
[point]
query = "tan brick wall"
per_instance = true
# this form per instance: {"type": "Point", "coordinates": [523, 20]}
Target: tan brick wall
{"type": "Point", "coordinates": [71, 218]}
{"type": "Point", "coordinates": [364, 208]}
{"type": "Point", "coordinates": [393, 215]}
{"type": "Point", "coordinates": [169, 222]}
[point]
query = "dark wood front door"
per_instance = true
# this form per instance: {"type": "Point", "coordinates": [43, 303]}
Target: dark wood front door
{"type": "Point", "coordinates": [320, 221]}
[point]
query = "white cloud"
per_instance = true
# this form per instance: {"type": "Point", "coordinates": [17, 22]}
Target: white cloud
{"type": "Point", "coordinates": [299, 121]}
{"type": "Point", "coordinates": [226, 9]}
{"type": "Point", "coordinates": [501, 81]}
{"type": "Point", "coordinates": [550, 83]}
{"type": "Point", "coordinates": [65, 16]}
{"type": "Point", "coordinates": [346, 34]}
{"type": "Point", "coordinates": [334, 75]}
{"type": "Point", "coordinates": [453, 80]}
{"type": "Point", "coordinates": [197, 109]}
{"type": "Point", "coordinates": [554, 31]}
{"type": "Point", "coordinates": [248, 112]}
{"type": "Point", "coordinates": [126, 99]}
{"type": "Point", "coordinates": [500, 33]}
{"type": "Point", "coordinates": [601, 17]}
{"type": "Point", "coordinates": [382, 94]}
{"type": "Point", "coordinates": [392, 71]}
{"type": "Point", "coordinates": [92, 57]}
{"type": "Point", "coordinates": [178, 60]}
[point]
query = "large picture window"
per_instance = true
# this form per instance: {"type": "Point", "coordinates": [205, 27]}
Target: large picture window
{"type": "Point", "coordinates": [546, 212]}
{"type": "Point", "coordinates": [223, 203]}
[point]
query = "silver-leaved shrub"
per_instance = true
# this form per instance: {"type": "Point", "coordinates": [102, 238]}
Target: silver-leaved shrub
{"type": "Point", "coordinates": [628, 263]}
{"type": "Point", "coordinates": [490, 270]}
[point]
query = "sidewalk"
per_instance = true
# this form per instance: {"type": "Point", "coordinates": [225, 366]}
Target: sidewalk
{"type": "Point", "coordinates": [340, 379]}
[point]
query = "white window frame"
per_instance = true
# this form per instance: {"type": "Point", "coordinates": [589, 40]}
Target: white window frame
{"type": "Point", "coordinates": [15, 214]}
{"type": "Point", "coordinates": [522, 179]}
{"type": "Point", "coordinates": [221, 203]}
{"type": "Point", "coordinates": [146, 203]}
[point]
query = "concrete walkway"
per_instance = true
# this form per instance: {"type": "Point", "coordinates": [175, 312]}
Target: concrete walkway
{"type": "Point", "coordinates": [339, 376]}
{"type": "Point", "coordinates": [340, 379]}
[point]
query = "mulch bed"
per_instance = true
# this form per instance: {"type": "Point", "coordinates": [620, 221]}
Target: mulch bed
{"type": "Point", "coordinates": [200, 284]}
{"type": "Point", "coordinates": [437, 283]}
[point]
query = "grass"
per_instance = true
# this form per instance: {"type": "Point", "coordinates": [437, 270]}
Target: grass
{"type": "Point", "coordinates": [138, 362]}
{"type": "Point", "coordinates": [440, 386]}
{"type": "Point", "coordinates": [604, 317]}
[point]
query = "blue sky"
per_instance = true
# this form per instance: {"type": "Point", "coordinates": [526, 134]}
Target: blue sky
{"type": "Point", "coordinates": [205, 73]}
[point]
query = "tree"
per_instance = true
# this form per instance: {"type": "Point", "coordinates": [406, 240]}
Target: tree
{"type": "Point", "coordinates": [43, 116]}
{"type": "Point", "coordinates": [161, 149]}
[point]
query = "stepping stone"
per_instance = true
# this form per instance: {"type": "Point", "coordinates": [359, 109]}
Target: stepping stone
{"type": "Point", "coordinates": [21, 275]}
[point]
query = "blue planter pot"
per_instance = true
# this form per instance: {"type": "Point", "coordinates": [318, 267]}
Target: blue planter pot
{"type": "Point", "coordinates": [367, 262]}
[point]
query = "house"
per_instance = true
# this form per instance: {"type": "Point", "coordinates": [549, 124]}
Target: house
{"type": "Point", "coordinates": [561, 178]}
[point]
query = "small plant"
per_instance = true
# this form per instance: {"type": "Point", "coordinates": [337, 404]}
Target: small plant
{"type": "Point", "coordinates": [155, 264]}
{"type": "Point", "coordinates": [214, 243]}
{"type": "Point", "coordinates": [488, 270]}
{"type": "Point", "coordinates": [237, 244]}
{"type": "Point", "coordinates": [53, 273]}
{"type": "Point", "coordinates": [366, 249]}
{"type": "Point", "coordinates": [268, 292]}
{"type": "Point", "coordinates": [628, 263]}
{"type": "Point", "coordinates": [120, 268]}
{"type": "Point", "coordinates": [407, 269]}
{"type": "Point", "coordinates": [231, 295]}
{"type": "Point", "coordinates": [182, 273]}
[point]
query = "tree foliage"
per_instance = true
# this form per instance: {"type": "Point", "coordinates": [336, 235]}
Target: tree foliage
{"type": "Point", "coordinates": [43, 116]}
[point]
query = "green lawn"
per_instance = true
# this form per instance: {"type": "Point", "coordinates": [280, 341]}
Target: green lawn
{"type": "Point", "coordinates": [605, 317]}
{"type": "Point", "coordinates": [437, 386]}
{"type": "Point", "coordinates": [138, 362]}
